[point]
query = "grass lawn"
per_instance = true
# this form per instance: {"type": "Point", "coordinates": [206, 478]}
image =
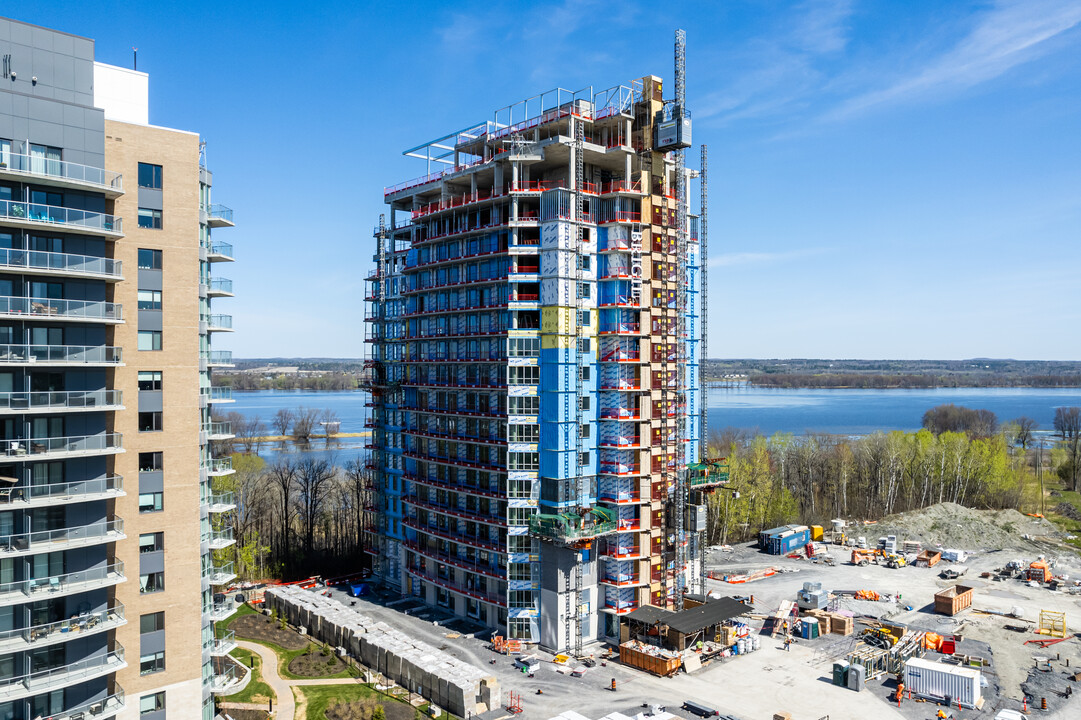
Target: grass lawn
{"type": "Point", "coordinates": [257, 690]}
{"type": "Point", "coordinates": [318, 698]}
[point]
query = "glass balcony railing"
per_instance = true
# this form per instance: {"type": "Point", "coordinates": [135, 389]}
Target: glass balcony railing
{"type": "Point", "coordinates": [107, 180]}
{"type": "Point", "coordinates": [61, 354]}
{"type": "Point", "coordinates": [230, 676]}
{"type": "Point", "coordinates": [219, 466]}
{"type": "Point", "coordinates": [218, 539]}
{"type": "Point", "coordinates": [220, 251]}
{"type": "Point", "coordinates": [61, 400]}
{"type": "Point", "coordinates": [52, 493]}
{"type": "Point", "coordinates": [221, 645]}
{"type": "Point", "coordinates": [220, 611]}
{"type": "Point", "coordinates": [31, 260]}
{"type": "Point", "coordinates": [218, 357]}
{"type": "Point", "coordinates": [219, 574]}
{"type": "Point", "coordinates": [62, 538]}
{"type": "Point", "coordinates": [75, 444]}
{"type": "Point", "coordinates": [96, 710]}
{"type": "Point", "coordinates": [43, 587]}
{"type": "Point", "coordinates": [55, 308]}
{"type": "Point", "coordinates": [223, 393]}
{"type": "Point", "coordinates": [58, 677]}
{"type": "Point", "coordinates": [219, 430]}
{"type": "Point", "coordinates": [219, 322]}
{"type": "Point", "coordinates": [219, 216]}
{"type": "Point", "coordinates": [221, 502]}
{"type": "Point", "coordinates": [220, 286]}
{"type": "Point", "coordinates": [60, 216]}
{"type": "Point", "coordinates": [67, 629]}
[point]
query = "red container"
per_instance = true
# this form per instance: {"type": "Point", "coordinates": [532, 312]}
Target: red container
{"type": "Point", "coordinates": [947, 647]}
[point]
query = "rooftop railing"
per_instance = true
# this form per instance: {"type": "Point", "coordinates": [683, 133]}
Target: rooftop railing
{"type": "Point", "coordinates": [54, 308]}
{"type": "Point", "coordinates": [61, 262]}
{"type": "Point", "coordinates": [55, 215]}
{"type": "Point", "coordinates": [65, 354]}
{"type": "Point", "coordinates": [47, 167]}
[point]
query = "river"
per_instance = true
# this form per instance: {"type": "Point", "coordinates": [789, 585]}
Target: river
{"type": "Point", "coordinates": [767, 410]}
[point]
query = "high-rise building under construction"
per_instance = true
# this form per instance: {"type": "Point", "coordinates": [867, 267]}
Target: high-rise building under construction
{"type": "Point", "coordinates": [533, 320]}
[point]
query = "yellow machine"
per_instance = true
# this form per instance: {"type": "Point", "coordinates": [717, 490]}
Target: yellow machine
{"type": "Point", "coordinates": [893, 560]}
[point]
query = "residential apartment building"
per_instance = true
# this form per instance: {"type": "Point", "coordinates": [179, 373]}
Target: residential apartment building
{"type": "Point", "coordinates": [533, 325]}
{"type": "Point", "coordinates": [107, 511]}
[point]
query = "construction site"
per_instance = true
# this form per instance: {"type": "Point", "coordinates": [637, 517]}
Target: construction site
{"type": "Point", "coordinates": [537, 484]}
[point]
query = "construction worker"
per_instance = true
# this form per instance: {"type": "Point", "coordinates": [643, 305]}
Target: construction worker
{"type": "Point", "coordinates": [788, 643]}
{"type": "Point", "coordinates": [941, 714]}
{"type": "Point", "coordinates": [900, 692]}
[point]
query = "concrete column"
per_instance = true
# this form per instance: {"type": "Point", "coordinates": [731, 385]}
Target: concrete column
{"type": "Point", "coordinates": [473, 185]}
{"type": "Point", "coordinates": [627, 168]}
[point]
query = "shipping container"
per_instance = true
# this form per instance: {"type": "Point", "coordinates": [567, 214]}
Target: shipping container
{"type": "Point", "coordinates": [953, 600]}
{"type": "Point", "coordinates": [938, 681]}
{"type": "Point", "coordinates": [765, 535]}
{"type": "Point", "coordinates": [790, 542]}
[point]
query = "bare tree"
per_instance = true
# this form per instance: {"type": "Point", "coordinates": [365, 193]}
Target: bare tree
{"type": "Point", "coordinates": [1025, 426]}
{"type": "Point", "coordinates": [283, 478]}
{"type": "Point", "coordinates": [313, 484]}
{"type": "Point", "coordinates": [304, 420]}
{"type": "Point", "coordinates": [283, 420]}
{"type": "Point", "coordinates": [248, 431]}
{"type": "Point", "coordinates": [358, 486]}
{"type": "Point", "coordinates": [1068, 425]}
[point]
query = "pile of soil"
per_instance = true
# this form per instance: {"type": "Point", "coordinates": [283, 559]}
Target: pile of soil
{"type": "Point", "coordinates": [267, 629]}
{"type": "Point", "coordinates": [1067, 510]}
{"type": "Point", "coordinates": [363, 709]}
{"type": "Point", "coordinates": [315, 664]}
{"type": "Point", "coordinates": [953, 526]}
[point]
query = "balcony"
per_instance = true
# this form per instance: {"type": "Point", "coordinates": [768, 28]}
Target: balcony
{"type": "Point", "coordinates": [23, 308]}
{"type": "Point", "coordinates": [58, 355]}
{"type": "Point", "coordinates": [48, 448]}
{"type": "Point", "coordinates": [220, 394]}
{"type": "Point", "coordinates": [57, 173]}
{"type": "Point", "coordinates": [218, 467]}
{"type": "Point", "coordinates": [219, 574]}
{"type": "Point", "coordinates": [220, 252]}
{"type": "Point", "coordinates": [55, 678]}
{"type": "Point", "coordinates": [60, 264]}
{"type": "Point", "coordinates": [60, 401]}
{"type": "Point", "coordinates": [46, 588]}
{"type": "Point", "coordinates": [230, 676]}
{"type": "Point", "coordinates": [218, 358]}
{"type": "Point", "coordinates": [219, 287]}
{"type": "Point", "coordinates": [220, 646]}
{"type": "Point", "coordinates": [219, 431]}
{"type": "Point", "coordinates": [33, 216]}
{"type": "Point", "coordinates": [217, 323]}
{"type": "Point", "coordinates": [218, 539]}
{"type": "Point", "coordinates": [220, 503]}
{"type": "Point", "coordinates": [623, 580]}
{"type": "Point", "coordinates": [220, 611]}
{"type": "Point", "coordinates": [219, 216]}
{"type": "Point", "coordinates": [31, 496]}
{"type": "Point", "coordinates": [45, 541]}
{"type": "Point", "coordinates": [72, 628]}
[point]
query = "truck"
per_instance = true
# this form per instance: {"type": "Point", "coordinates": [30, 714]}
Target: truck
{"type": "Point", "coordinates": [864, 556]}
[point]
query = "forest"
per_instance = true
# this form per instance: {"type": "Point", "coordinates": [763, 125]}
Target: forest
{"type": "Point", "coordinates": [305, 515]}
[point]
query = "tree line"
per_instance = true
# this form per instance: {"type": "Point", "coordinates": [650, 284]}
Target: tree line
{"type": "Point", "coordinates": [328, 382]}
{"type": "Point", "coordinates": [907, 380]}
{"type": "Point", "coordinates": [961, 456]}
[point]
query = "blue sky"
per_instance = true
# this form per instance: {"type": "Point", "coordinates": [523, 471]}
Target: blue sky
{"type": "Point", "coordinates": [888, 180]}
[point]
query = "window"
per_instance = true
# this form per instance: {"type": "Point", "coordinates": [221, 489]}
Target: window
{"type": "Point", "coordinates": [583, 345]}
{"type": "Point", "coordinates": [151, 542]}
{"type": "Point", "coordinates": [151, 461]}
{"type": "Point", "coordinates": [152, 703]}
{"type": "Point", "coordinates": [150, 340]}
{"type": "Point", "coordinates": [151, 623]}
{"type": "Point", "coordinates": [584, 372]}
{"type": "Point", "coordinates": [150, 502]}
{"type": "Point", "coordinates": [149, 259]}
{"type": "Point", "coordinates": [524, 347]}
{"type": "Point", "coordinates": [585, 430]}
{"type": "Point", "coordinates": [524, 433]}
{"type": "Point", "coordinates": [584, 290]}
{"type": "Point", "coordinates": [150, 300]}
{"type": "Point", "coordinates": [583, 318]}
{"type": "Point", "coordinates": [523, 461]}
{"type": "Point", "coordinates": [150, 380]}
{"type": "Point", "coordinates": [150, 176]}
{"type": "Point", "coordinates": [152, 583]}
{"type": "Point", "coordinates": [45, 160]}
{"type": "Point", "coordinates": [150, 218]}
{"type": "Point", "coordinates": [583, 459]}
{"type": "Point", "coordinates": [5, 152]}
{"type": "Point", "coordinates": [526, 375]}
{"type": "Point", "coordinates": [523, 405]}
{"type": "Point", "coordinates": [152, 663]}
{"type": "Point", "coordinates": [149, 421]}
{"type": "Point", "coordinates": [583, 262]}
{"type": "Point", "coordinates": [584, 402]}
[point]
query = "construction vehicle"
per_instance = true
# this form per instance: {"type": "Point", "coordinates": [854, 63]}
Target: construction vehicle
{"type": "Point", "coordinates": [893, 560]}
{"type": "Point", "coordinates": [1039, 572]}
{"type": "Point", "coordinates": [953, 572]}
{"type": "Point", "coordinates": [863, 556]}
{"type": "Point", "coordinates": [878, 637]}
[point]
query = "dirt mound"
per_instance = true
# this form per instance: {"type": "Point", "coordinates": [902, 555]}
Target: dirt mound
{"type": "Point", "coordinates": [316, 663]}
{"type": "Point", "coordinates": [261, 627]}
{"type": "Point", "coordinates": [954, 526]}
{"type": "Point", "coordinates": [1067, 510]}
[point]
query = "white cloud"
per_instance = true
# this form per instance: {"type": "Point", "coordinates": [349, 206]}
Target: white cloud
{"type": "Point", "coordinates": [1013, 33]}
